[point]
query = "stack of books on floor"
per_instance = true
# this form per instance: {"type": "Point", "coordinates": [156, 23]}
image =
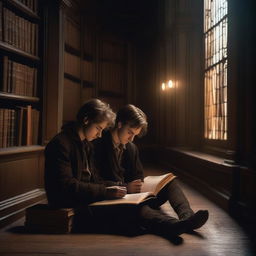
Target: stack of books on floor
{"type": "Point", "coordinates": [43, 219]}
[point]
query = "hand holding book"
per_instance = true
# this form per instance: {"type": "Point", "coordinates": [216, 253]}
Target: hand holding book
{"type": "Point", "coordinates": [151, 186]}
{"type": "Point", "coordinates": [134, 186]}
{"type": "Point", "coordinates": [115, 192]}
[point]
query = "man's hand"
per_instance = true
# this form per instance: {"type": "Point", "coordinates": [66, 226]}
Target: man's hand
{"type": "Point", "coordinates": [115, 192]}
{"type": "Point", "coordinates": [134, 186]}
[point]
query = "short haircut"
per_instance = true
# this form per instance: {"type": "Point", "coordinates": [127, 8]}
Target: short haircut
{"type": "Point", "coordinates": [95, 111]}
{"type": "Point", "coordinates": [134, 117]}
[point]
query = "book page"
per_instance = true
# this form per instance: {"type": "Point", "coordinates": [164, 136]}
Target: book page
{"type": "Point", "coordinates": [156, 183]}
{"type": "Point", "coordinates": [127, 199]}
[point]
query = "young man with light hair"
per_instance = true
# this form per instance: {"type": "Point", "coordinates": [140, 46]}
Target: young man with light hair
{"type": "Point", "coordinates": [117, 160]}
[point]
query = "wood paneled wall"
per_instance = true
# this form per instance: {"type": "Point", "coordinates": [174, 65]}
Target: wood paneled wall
{"type": "Point", "coordinates": [175, 52]}
{"type": "Point", "coordinates": [21, 181]}
{"type": "Point", "coordinates": [82, 60]}
{"type": "Point", "coordinates": [97, 62]}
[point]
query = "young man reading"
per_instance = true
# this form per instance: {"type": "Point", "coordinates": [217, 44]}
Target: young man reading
{"type": "Point", "coordinates": [70, 177]}
{"type": "Point", "coordinates": [117, 159]}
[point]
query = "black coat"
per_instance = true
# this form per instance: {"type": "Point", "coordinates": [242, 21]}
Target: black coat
{"type": "Point", "coordinates": [107, 164]}
{"type": "Point", "coordinates": [68, 182]}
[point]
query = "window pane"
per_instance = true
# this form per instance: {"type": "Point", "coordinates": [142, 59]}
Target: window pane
{"type": "Point", "coordinates": [215, 82]}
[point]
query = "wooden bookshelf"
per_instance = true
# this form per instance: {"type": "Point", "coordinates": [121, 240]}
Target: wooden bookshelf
{"type": "Point", "coordinates": [11, 96]}
{"type": "Point", "coordinates": [25, 9]}
{"type": "Point", "coordinates": [19, 150]}
{"type": "Point", "coordinates": [13, 50]}
{"type": "Point", "coordinates": [22, 38]}
{"type": "Point", "coordinates": [20, 83]}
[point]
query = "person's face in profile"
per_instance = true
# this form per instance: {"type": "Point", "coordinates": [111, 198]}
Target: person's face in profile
{"type": "Point", "coordinates": [126, 133]}
{"type": "Point", "coordinates": [94, 130]}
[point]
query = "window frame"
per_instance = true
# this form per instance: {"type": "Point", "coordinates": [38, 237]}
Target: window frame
{"type": "Point", "coordinates": [222, 148]}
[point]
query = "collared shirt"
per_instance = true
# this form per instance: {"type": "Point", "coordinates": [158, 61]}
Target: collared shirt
{"type": "Point", "coordinates": [119, 149]}
{"type": "Point", "coordinates": [87, 154]}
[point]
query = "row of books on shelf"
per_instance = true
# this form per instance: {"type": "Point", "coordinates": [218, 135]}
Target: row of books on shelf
{"type": "Point", "coordinates": [18, 32]}
{"type": "Point", "coordinates": [18, 78]}
{"type": "Point", "coordinates": [19, 126]}
{"type": "Point", "coordinates": [31, 4]}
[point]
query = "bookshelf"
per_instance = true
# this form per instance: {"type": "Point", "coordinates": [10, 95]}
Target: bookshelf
{"type": "Point", "coordinates": [20, 91]}
{"type": "Point", "coordinates": [22, 42]}
{"type": "Point", "coordinates": [53, 74]}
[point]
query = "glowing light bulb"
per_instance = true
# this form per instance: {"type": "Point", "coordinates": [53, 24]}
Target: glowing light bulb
{"type": "Point", "coordinates": [170, 84]}
{"type": "Point", "coordinates": [163, 86]}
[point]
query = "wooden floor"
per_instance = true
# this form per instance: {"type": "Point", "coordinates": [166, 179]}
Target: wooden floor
{"type": "Point", "coordinates": [221, 236]}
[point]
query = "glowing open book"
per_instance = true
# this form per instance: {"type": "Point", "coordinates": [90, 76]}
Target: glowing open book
{"type": "Point", "coordinates": [152, 185]}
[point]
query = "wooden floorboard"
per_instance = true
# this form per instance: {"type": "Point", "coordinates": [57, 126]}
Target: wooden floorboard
{"type": "Point", "coordinates": [221, 236]}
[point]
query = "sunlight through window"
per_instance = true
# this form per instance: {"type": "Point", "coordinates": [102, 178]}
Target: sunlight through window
{"type": "Point", "coordinates": [216, 61]}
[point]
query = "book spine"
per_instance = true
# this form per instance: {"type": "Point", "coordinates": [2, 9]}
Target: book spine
{"type": "Point", "coordinates": [25, 85]}
{"type": "Point", "coordinates": [12, 27]}
{"type": "Point", "coordinates": [23, 80]}
{"type": "Point", "coordinates": [14, 78]}
{"type": "Point", "coordinates": [24, 127]}
{"type": "Point", "coordinates": [28, 36]}
{"type": "Point", "coordinates": [19, 25]}
{"type": "Point", "coordinates": [12, 133]}
{"type": "Point", "coordinates": [9, 80]}
{"type": "Point", "coordinates": [5, 74]}
{"type": "Point", "coordinates": [18, 78]}
{"type": "Point", "coordinates": [36, 39]}
{"type": "Point", "coordinates": [20, 125]}
{"type": "Point", "coordinates": [22, 34]}
{"type": "Point", "coordinates": [29, 125]}
{"type": "Point", "coordinates": [4, 32]}
{"type": "Point", "coordinates": [5, 128]}
{"type": "Point", "coordinates": [35, 82]}
{"type": "Point", "coordinates": [8, 24]}
{"type": "Point", "coordinates": [15, 30]}
{"type": "Point", "coordinates": [33, 38]}
{"type": "Point", "coordinates": [37, 127]}
{"type": "Point", "coordinates": [25, 37]}
{"type": "Point", "coordinates": [8, 143]}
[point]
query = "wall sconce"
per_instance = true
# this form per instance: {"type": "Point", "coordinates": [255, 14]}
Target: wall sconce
{"type": "Point", "coordinates": [169, 85]}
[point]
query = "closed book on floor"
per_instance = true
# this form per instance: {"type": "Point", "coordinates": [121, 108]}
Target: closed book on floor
{"type": "Point", "coordinates": [45, 219]}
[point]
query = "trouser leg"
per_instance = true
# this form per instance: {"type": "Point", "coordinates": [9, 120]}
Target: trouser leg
{"type": "Point", "coordinates": [177, 199]}
{"type": "Point", "coordinates": [158, 222]}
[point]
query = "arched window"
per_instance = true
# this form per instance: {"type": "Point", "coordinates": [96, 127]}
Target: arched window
{"type": "Point", "coordinates": [215, 73]}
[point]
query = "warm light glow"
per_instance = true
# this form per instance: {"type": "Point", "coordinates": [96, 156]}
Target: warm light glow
{"type": "Point", "coordinates": [163, 86]}
{"type": "Point", "coordinates": [170, 84]}
{"type": "Point", "coordinates": [216, 65]}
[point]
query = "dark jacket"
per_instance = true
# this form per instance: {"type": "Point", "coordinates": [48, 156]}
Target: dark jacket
{"type": "Point", "coordinates": [70, 178]}
{"type": "Point", "coordinates": [107, 164]}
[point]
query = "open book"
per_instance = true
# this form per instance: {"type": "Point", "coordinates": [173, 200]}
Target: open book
{"type": "Point", "coordinates": [151, 186]}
